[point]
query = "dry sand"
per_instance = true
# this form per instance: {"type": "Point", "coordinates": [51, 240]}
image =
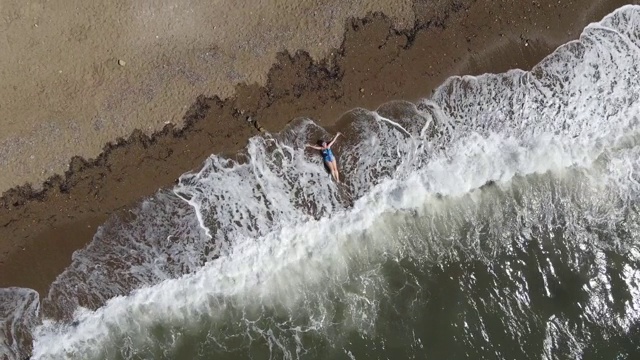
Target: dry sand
{"type": "Point", "coordinates": [53, 115]}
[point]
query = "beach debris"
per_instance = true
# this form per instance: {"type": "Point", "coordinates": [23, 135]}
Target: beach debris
{"type": "Point", "coordinates": [256, 125]}
{"type": "Point", "coordinates": [122, 62]}
{"type": "Point", "coordinates": [361, 90]}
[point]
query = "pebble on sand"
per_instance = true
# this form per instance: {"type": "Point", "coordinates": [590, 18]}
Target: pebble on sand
{"type": "Point", "coordinates": [121, 62]}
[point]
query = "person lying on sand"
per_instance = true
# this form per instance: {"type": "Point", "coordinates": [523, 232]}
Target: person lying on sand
{"type": "Point", "coordinates": [327, 156]}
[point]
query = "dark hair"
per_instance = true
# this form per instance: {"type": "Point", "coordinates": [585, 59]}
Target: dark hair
{"type": "Point", "coordinates": [321, 141]}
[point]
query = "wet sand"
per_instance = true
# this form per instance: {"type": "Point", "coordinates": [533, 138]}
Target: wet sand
{"type": "Point", "coordinates": [397, 54]}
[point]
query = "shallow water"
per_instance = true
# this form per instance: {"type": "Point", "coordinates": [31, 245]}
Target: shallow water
{"type": "Point", "coordinates": [498, 219]}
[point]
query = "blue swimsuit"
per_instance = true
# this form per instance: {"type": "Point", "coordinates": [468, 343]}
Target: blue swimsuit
{"type": "Point", "coordinates": [327, 155]}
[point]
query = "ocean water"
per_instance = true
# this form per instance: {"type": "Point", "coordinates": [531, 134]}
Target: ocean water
{"type": "Point", "coordinates": [498, 219]}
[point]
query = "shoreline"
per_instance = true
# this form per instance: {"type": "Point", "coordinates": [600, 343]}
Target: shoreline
{"type": "Point", "coordinates": [39, 230]}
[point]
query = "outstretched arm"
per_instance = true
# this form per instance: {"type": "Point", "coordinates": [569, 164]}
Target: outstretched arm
{"type": "Point", "coordinates": [334, 139]}
{"type": "Point", "coordinates": [314, 147]}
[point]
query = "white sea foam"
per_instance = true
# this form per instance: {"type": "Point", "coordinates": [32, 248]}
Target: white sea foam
{"type": "Point", "coordinates": [19, 310]}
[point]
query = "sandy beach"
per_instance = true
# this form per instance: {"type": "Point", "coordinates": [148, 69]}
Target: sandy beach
{"type": "Point", "coordinates": [104, 103]}
{"type": "Point", "coordinates": [79, 75]}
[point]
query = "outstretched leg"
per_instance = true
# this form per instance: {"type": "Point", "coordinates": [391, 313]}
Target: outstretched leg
{"type": "Point", "coordinates": [334, 170]}
{"type": "Point", "coordinates": [329, 165]}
